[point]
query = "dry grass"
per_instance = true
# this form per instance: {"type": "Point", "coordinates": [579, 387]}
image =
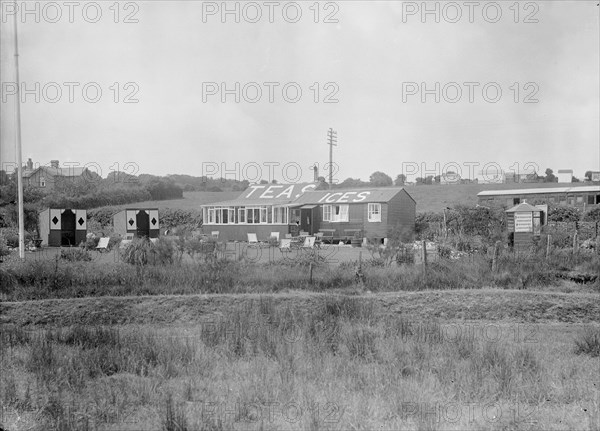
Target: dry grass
{"type": "Point", "coordinates": [260, 364]}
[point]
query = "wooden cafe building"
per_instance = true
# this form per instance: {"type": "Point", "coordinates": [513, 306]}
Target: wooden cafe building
{"type": "Point", "coordinates": [290, 208]}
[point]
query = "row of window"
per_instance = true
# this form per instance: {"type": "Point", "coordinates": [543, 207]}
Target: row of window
{"type": "Point", "coordinates": [571, 200]}
{"type": "Point", "coordinates": [246, 215]}
{"type": "Point", "coordinates": [280, 215]}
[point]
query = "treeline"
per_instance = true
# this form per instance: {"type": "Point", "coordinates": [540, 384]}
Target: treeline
{"type": "Point", "coordinates": [93, 191]}
{"type": "Point", "coordinates": [205, 184]}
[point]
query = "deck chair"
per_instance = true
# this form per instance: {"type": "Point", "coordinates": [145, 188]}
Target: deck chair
{"type": "Point", "coordinates": [285, 245]}
{"type": "Point", "coordinates": [309, 242]}
{"type": "Point", "coordinates": [275, 235]}
{"type": "Point", "coordinates": [252, 239]}
{"type": "Point", "coordinates": [215, 234]}
{"type": "Point", "coordinates": [319, 239]}
{"type": "Point", "coordinates": [103, 244]}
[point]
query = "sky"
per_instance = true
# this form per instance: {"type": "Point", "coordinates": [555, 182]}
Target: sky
{"type": "Point", "coordinates": [516, 87]}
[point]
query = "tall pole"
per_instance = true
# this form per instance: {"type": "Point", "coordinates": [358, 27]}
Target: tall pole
{"type": "Point", "coordinates": [331, 141]}
{"type": "Point", "coordinates": [18, 148]}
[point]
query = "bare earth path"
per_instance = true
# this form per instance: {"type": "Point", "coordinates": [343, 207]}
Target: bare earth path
{"type": "Point", "coordinates": [481, 304]}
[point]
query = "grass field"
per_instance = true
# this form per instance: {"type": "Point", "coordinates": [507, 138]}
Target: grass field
{"type": "Point", "coordinates": [402, 361]}
{"type": "Point", "coordinates": [429, 198]}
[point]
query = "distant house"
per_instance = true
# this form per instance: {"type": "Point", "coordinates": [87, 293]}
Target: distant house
{"type": "Point", "coordinates": [492, 175]}
{"type": "Point", "coordinates": [565, 175]}
{"type": "Point", "coordinates": [526, 176]}
{"type": "Point", "coordinates": [450, 178]}
{"type": "Point", "coordinates": [45, 176]}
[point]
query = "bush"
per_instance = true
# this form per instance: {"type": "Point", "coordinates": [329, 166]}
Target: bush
{"type": "Point", "coordinates": [75, 254]}
{"type": "Point", "coordinates": [588, 342]}
{"type": "Point", "coordinates": [592, 215]}
{"type": "Point", "coordinates": [567, 214]}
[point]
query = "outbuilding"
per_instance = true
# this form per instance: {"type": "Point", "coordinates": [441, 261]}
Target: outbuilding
{"type": "Point", "coordinates": [138, 222]}
{"type": "Point", "coordinates": [524, 222]}
{"type": "Point", "coordinates": [62, 227]}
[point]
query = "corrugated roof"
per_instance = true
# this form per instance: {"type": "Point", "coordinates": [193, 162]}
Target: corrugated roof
{"type": "Point", "coordinates": [540, 191]}
{"type": "Point", "coordinates": [268, 194]}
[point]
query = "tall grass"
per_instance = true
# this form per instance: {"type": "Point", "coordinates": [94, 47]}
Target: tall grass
{"type": "Point", "coordinates": [338, 360]}
{"type": "Point", "coordinates": [56, 278]}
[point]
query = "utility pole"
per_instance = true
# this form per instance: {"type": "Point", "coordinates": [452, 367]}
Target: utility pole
{"type": "Point", "coordinates": [18, 149]}
{"type": "Point", "coordinates": [331, 141]}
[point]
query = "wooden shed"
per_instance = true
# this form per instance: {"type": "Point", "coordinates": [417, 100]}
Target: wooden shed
{"type": "Point", "coordinates": [363, 213]}
{"type": "Point", "coordinates": [62, 227]}
{"type": "Point", "coordinates": [524, 222]}
{"type": "Point", "coordinates": [138, 222]}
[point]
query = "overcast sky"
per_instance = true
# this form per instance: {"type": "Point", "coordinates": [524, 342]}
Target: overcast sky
{"type": "Point", "coordinates": [365, 62]}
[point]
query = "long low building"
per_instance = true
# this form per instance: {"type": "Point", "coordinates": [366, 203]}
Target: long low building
{"type": "Point", "coordinates": [289, 208]}
{"type": "Point", "coordinates": [582, 196]}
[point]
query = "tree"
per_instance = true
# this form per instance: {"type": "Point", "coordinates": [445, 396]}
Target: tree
{"type": "Point", "coordinates": [550, 177]}
{"type": "Point", "coordinates": [380, 179]}
{"type": "Point", "coordinates": [400, 180]}
{"type": "Point", "coordinates": [588, 175]}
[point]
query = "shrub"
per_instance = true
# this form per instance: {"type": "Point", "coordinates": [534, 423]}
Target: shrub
{"type": "Point", "coordinates": [566, 214]}
{"type": "Point", "coordinates": [592, 215]}
{"type": "Point", "coordinates": [588, 342]}
{"type": "Point", "coordinates": [75, 254]}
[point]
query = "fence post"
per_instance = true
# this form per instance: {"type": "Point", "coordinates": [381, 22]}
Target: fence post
{"type": "Point", "coordinates": [495, 257]}
{"type": "Point", "coordinates": [575, 243]}
{"type": "Point", "coordinates": [310, 268]}
{"type": "Point", "coordinates": [548, 246]}
{"type": "Point", "coordinates": [424, 244]}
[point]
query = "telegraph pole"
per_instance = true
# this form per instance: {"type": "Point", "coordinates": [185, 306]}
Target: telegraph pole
{"type": "Point", "coordinates": [331, 141]}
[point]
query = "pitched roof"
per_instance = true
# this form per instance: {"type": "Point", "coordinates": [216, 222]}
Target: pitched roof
{"type": "Point", "coordinates": [267, 194]}
{"type": "Point", "coordinates": [60, 172]}
{"type": "Point", "coordinates": [361, 195]}
{"type": "Point", "coordinates": [524, 207]}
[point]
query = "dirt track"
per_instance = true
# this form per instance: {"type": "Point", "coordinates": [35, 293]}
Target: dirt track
{"type": "Point", "coordinates": [484, 304]}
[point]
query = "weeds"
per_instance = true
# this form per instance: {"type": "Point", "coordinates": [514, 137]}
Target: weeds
{"type": "Point", "coordinates": [588, 342]}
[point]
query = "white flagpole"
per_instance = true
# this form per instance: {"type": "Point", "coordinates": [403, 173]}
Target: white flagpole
{"type": "Point", "coordinates": [18, 147]}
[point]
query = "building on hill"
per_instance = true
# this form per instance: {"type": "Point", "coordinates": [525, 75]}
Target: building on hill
{"type": "Point", "coordinates": [450, 178]}
{"type": "Point", "coordinates": [287, 209]}
{"type": "Point", "coordinates": [582, 196]}
{"type": "Point", "coordinates": [45, 176]}
{"type": "Point", "coordinates": [565, 175]}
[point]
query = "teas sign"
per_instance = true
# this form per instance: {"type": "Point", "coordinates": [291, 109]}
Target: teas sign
{"type": "Point", "coordinates": [523, 222]}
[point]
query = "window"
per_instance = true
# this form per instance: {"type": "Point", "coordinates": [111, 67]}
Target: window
{"type": "Point", "coordinates": [211, 215]}
{"type": "Point", "coordinates": [280, 215]}
{"type": "Point", "coordinates": [516, 201]}
{"type": "Point", "coordinates": [374, 211]}
{"type": "Point", "coordinates": [42, 182]}
{"type": "Point", "coordinates": [590, 199]}
{"type": "Point", "coordinates": [579, 199]}
{"type": "Point", "coordinates": [242, 215]}
{"type": "Point", "coordinates": [335, 213]}
{"type": "Point", "coordinates": [253, 215]}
